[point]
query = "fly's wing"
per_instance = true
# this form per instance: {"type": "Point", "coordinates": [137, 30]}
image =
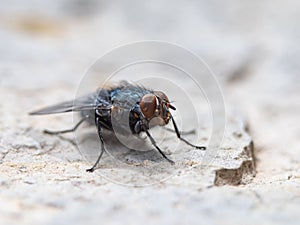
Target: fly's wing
{"type": "Point", "coordinates": [89, 102]}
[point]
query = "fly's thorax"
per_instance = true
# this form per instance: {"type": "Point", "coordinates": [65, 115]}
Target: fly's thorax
{"type": "Point", "coordinates": [116, 112]}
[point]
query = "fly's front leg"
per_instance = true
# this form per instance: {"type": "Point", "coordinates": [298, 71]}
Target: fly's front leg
{"type": "Point", "coordinates": [143, 126]}
{"type": "Point", "coordinates": [158, 149]}
{"type": "Point", "coordinates": [69, 130]}
{"type": "Point", "coordinates": [182, 139]}
{"type": "Point", "coordinates": [102, 145]}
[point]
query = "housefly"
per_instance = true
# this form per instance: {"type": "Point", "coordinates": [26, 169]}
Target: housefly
{"type": "Point", "coordinates": [102, 107]}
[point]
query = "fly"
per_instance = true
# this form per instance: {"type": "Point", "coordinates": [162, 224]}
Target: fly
{"type": "Point", "coordinates": [100, 108]}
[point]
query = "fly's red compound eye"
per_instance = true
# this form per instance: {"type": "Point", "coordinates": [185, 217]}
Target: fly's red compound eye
{"type": "Point", "coordinates": [148, 105]}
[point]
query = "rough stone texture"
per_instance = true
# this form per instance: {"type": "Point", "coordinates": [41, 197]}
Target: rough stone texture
{"type": "Point", "coordinates": [253, 48]}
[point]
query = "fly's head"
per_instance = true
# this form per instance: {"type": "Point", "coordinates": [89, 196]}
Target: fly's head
{"type": "Point", "coordinates": [155, 107]}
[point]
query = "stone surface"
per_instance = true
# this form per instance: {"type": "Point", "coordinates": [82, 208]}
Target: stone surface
{"type": "Point", "coordinates": [253, 49]}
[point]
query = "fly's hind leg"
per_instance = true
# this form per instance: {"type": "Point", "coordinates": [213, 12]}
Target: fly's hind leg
{"type": "Point", "coordinates": [92, 169]}
{"type": "Point", "coordinates": [69, 130]}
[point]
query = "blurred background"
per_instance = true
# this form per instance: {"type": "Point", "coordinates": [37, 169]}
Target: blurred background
{"type": "Point", "coordinates": [233, 37]}
{"type": "Point", "coordinates": [252, 47]}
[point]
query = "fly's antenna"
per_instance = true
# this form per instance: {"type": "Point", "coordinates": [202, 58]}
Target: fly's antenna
{"type": "Point", "coordinates": [169, 105]}
{"type": "Point", "coordinates": [172, 107]}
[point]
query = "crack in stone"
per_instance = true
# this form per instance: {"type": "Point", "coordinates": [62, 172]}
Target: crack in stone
{"type": "Point", "coordinates": [241, 175]}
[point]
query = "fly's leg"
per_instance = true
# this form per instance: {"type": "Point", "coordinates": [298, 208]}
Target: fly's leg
{"type": "Point", "coordinates": [69, 130]}
{"type": "Point", "coordinates": [158, 149]}
{"type": "Point", "coordinates": [182, 139]}
{"type": "Point", "coordinates": [102, 145]}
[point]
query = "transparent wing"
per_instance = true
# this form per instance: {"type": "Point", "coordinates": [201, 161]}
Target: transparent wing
{"type": "Point", "coordinates": [89, 102]}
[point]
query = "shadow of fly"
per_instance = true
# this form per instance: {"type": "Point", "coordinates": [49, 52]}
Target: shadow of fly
{"type": "Point", "coordinates": [101, 108]}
